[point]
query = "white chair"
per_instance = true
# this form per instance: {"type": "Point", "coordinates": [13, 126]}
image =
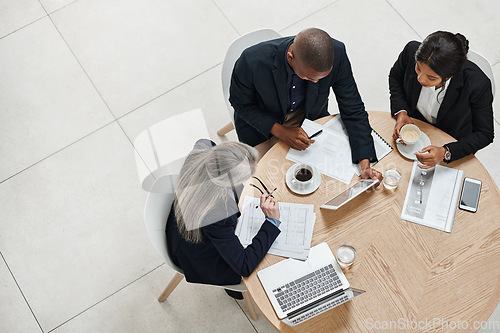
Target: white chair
{"type": "Point", "coordinates": [232, 54]}
{"type": "Point", "coordinates": [160, 150]}
{"type": "Point", "coordinates": [485, 66]}
{"type": "Point", "coordinates": [156, 211]}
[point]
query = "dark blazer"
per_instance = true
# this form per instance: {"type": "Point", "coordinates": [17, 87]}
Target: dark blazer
{"type": "Point", "coordinates": [220, 258]}
{"type": "Point", "coordinates": [466, 112]}
{"type": "Point", "coordinates": [259, 96]}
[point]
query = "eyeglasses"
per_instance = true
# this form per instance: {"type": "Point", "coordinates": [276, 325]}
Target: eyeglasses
{"type": "Point", "coordinates": [264, 186]}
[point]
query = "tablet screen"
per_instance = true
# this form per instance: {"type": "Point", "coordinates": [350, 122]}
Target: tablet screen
{"type": "Point", "coordinates": [350, 193]}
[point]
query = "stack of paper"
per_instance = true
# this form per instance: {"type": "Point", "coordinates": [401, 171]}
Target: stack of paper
{"type": "Point", "coordinates": [382, 148]}
{"type": "Point", "coordinates": [331, 151]}
{"type": "Point", "coordinates": [297, 224]}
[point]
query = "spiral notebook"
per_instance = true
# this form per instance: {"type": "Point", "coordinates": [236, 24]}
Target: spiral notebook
{"type": "Point", "coordinates": [382, 147]}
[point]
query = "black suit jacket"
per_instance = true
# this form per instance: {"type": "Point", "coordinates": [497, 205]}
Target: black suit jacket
{"type": "Point", "coordinates": [220, 258]}
{"type": "Point", "coordinates": [259, 96]}
{"type": "Point", "coordinates": [466, 112]}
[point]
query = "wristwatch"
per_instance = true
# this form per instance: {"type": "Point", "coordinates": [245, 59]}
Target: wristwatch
{"type": "Point", "coordinates": [447, 154]}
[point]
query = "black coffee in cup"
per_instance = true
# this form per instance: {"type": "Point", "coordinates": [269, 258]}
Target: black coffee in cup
{"type": "Point", "coordinates": [303, 174]}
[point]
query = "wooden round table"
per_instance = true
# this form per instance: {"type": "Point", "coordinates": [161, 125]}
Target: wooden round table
{"type": "Point", "coordinates": [416, 278]}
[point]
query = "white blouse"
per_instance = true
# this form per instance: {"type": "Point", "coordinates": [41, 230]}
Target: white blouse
{"type": "Point", "coordinates": [430, 100]}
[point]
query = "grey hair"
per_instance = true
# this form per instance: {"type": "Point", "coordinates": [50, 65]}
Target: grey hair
{"type": "Point", "coordinates": [207, 176]}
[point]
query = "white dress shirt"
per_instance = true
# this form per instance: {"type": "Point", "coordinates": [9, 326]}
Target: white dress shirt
{"type": "Point", "coordinates": [430, 100]}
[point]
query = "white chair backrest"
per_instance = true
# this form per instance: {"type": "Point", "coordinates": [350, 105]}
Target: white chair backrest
{"type": "Point", "coordinates": [234, 52]}
{"type": "Point", "coordinates": [162, 148]}
{"type": "Point", "coordinates": [485, 66]}
{"type": "Point", "coordinates": [156, 212]}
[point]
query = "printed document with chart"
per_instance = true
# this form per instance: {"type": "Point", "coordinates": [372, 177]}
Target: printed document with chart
{"type": "Point", "coordinates": [297, 224]}
{"type": "Point", "coordinates": [432, 196]}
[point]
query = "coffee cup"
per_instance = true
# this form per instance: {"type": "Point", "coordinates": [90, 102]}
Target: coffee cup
{"type": "Point", "coordinates": [410, 134]}
{"type": "Point", "coordinates": [302, 176]}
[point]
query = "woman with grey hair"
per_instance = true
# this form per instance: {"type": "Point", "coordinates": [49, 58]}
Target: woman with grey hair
{"type": "Point", "coordinates": [200, 228]}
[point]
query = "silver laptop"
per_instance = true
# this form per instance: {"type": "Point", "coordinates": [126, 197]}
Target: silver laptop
{"type": "Point", "coordinates": [300, 290]}
{"type": "Point", "coordinates": [349, 194]}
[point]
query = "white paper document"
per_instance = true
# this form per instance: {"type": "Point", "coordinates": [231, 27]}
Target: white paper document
{"type": "Point", "coordinates": [297, 224]}
{"type": "Point", "coordinates": [432, 196]}
{"type": "Point", "coordinates": [382, 148]}
{"type": "Point", "coordinates": [330, 153]}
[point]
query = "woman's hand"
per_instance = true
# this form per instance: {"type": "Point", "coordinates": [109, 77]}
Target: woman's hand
{"type": "Point", "coordinates": [270, 206]}
{"type": "Point", "coordinates": [401, 119]}
{"type": "Point", "coordinates": [430, 156]}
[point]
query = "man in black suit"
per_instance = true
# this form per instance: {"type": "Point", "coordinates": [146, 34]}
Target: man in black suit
{"type": "Point", "coordinates": [276, 84]}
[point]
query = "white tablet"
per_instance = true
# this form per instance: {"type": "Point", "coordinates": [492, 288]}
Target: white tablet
{"type": "Point", "coordinates": [350, 193]}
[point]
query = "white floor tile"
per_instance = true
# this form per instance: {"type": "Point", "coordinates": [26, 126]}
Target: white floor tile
{"type": "Point", "coordinates": [372, 42]}
{"type": "Point", "coordinates": [72, 226]}
{"type": "Point", "coordinates": [247, 16]}
{"type": "Point", "coordinates": [204, 91]}
{"type": "Point", "coordinates": [16, 14]}
{"type": "Point", "coordinates": [493, 323]}
{"type": "Point", "coordinates": [137, 50]}
{"type": "Point", "coordinates": [53, 5]}
{"type": "Point", "coordinates": [476, 20]}
{"type": "Point", "coordinates": [15, 315]}
{"type": "Point", "coordinates": [47, 101]}
{"type": "Point", "coordinates": [261, 325]}
{"type": "Point", "coordinates": [190, 308]}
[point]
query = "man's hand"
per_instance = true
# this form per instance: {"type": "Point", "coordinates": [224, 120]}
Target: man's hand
{"type": "Point", "coordinates": [369, 173]}
{"type": "Point", "coordinates": [270, 206]}
{"type": "Point", "coordinates": [430, 156]}
{"type": "Point", "coordinates": [401, 120]}
{"type": "Point", "coordinates": [295, 137]}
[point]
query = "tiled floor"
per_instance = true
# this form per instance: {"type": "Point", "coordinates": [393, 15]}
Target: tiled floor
{"type": "Point", "coordinates": [80, 79]}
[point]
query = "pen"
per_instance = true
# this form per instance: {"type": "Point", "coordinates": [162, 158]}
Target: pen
{"type": "Point", "coordinates": [316, 134]}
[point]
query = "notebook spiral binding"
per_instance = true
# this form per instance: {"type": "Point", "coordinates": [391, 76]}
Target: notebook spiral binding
{"type": "Point", "coordinates": [381, 138]}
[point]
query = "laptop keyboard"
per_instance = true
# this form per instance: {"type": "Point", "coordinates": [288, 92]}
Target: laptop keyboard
{"type": "Point", "coordinates": [319, 309]}
{"type": "Point", "coordinates": [306, 288]}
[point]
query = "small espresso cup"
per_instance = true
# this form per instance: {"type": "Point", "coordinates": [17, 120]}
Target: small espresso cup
{"type": "Point", "coordinates": [303, 175]}
{"type": "Point", "coordinates": [409, 134]}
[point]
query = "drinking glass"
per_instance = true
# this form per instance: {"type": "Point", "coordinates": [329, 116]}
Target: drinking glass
{"type": "Point", "coordinates": [392, 177]}
{"type": "Point", "coordinates": [346, 254]}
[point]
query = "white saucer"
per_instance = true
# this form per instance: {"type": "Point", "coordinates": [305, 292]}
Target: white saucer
{"type": "Point", "coordinates": [316, 181]}
{"type": "Point", "coordinates": [409, 151]}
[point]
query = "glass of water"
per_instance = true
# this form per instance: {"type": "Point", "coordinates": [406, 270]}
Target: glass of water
{"type": "Point", "coordinates": [346, 254]}
{"type": "Point", "coordinates": [392, 176]}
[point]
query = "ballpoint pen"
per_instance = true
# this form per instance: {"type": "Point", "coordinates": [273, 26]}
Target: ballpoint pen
{"type": "Point", "coordinates": [316, 134]}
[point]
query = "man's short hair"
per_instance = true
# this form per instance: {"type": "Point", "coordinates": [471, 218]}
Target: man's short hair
{"type": "Point", "coordinates": [314, 48]}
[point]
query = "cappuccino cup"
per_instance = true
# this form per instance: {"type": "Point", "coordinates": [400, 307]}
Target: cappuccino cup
{"type": "Point", "coordinates": [409, 134]}
{"type": "Point", "coordinates": [303, 175]}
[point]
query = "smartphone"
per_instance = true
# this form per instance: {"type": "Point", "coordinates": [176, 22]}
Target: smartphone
{"type": "Point", "coordinates": [470, 194]}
